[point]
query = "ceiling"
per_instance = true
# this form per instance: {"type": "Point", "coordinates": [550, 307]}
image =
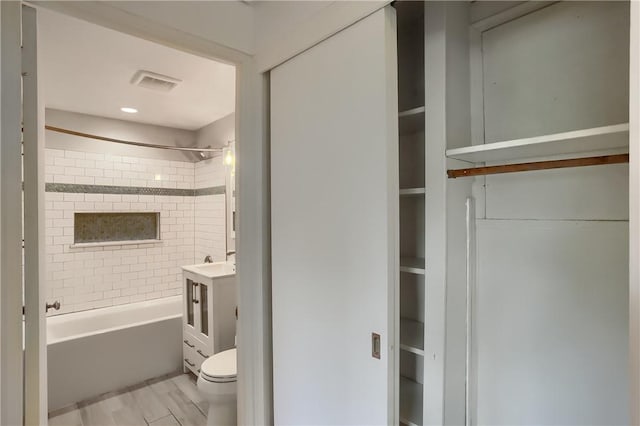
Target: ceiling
{"type": "Point", "coordinates": [88, 69]}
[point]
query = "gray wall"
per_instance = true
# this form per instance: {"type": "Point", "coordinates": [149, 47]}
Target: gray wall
{"type": "Point", "coordinates": [119, 129]}
{"type": "Point", "coordinates": [218, 133]}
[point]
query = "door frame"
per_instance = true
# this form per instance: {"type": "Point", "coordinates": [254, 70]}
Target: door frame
{"type": "Point", "coordinates": [35, 325]}
{"type": "Point", "coordinates": [252, 239]}
{"type": "Point", "coordinates": [11, 332]}
{"type": "Point", "coordinates": [634, 213]}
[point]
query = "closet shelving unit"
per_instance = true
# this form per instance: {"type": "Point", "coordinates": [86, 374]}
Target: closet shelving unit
{"type": "Point", "coordinates": [411, 120]}
{"type": "Point", "coordinates": [412, 336]}
{"type": "Point", "coordinates": [579, 148]}
{"type": "Point", "coordinates": [514, 84]}
{"type": "Point", "coordinates": [412, 265]}
{"type": "Point", "coordinates": [410, 402]}
{"type": "Point", "coordinates": [408, 192]}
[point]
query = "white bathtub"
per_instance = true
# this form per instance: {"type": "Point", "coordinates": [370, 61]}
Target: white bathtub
{"type": "Point", "coordinates": [107, 349]}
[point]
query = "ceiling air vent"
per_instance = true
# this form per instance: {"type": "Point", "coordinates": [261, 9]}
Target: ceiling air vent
{"type": "Point", "coordinates": [154, 81]}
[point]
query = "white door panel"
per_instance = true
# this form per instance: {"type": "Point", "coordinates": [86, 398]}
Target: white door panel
{"type": "Point", "coordinates": [334, 201]}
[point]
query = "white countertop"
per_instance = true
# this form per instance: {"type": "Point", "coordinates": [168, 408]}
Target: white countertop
{"type": "Point", "coordinates": [212, 270]}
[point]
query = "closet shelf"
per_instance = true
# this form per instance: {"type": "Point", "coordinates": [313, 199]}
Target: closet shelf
{"type": "Point", "coordinates": [410, 402]}
{"type": "Point", "coordinates": [411, 121]}
{"type": "Point", "coordinates": [412, 265]}
{"type": "Point", "coordinates": [412, 336]}
{"type": "Point", "coordinates": [606, 138]}
{"type": "Point", "coordinates": [408, 192]}
{"type": "Point", "coordinates": [412, 111]}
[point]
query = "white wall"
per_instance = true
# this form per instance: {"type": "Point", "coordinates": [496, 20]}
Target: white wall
{"type": "Point", "coordinates": [284, 29]}
{"type": "Point", "coordinates": [276, 19]}
{"type": "Point", "coordinates": [552, 323]}
{"type": "Point", "coordinates": [209, 211]}
{"type": "Point", "coordinates": [230, 23]}
{"type": "Point", "coordinates": [272, 30]}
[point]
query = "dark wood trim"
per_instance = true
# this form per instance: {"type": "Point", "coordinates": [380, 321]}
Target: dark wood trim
{"type": "Point", "coordinates": [539, 165]}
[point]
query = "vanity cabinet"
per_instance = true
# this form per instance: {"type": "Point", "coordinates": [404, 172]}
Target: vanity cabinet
{"type": "Point", "coordinates": [209, 304]}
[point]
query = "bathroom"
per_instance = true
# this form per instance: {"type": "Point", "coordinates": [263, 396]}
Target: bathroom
{"type": "Point", "coordinates": [122, 220]}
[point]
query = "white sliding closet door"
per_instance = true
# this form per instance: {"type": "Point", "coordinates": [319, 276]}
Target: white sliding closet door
{"type": "Point", "coordinates": [334, 206]}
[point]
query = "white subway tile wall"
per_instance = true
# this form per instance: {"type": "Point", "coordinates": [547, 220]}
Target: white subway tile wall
{"type": "Point", "coordinates": [210, 211]}
{"type": "Point", "coordinates": [94, 277]}
{"type": "Point", "coordinates": [102, 169]}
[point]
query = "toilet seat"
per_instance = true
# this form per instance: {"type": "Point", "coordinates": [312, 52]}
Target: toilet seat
{"type": "Point", "coordinates": [220, 368]}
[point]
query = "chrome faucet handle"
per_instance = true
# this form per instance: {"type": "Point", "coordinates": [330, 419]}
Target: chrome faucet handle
{"type": "Point", "coordinates": [208, 259]}
{"type": "Point", "coordinates": [55, 305]}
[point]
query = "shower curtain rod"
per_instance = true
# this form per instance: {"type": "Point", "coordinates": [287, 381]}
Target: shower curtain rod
{"type": "Point", "coordinates": [147, 145]}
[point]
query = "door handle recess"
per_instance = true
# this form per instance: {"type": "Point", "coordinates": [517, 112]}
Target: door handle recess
{"type": "Point", "coordinates": [375, 345]}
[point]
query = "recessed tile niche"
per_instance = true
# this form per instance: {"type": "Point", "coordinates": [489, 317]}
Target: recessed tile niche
{"type": "Point", "coordinates": [114, 227]}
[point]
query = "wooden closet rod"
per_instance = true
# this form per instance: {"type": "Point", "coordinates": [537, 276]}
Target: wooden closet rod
{"type": "Point", "coordinates": [539, 165]}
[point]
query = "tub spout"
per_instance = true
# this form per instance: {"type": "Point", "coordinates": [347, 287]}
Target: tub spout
{"type": "Point", "coordinates": [55, 305]}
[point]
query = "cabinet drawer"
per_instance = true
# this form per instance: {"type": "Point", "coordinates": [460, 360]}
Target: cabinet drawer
{"type": "Point", "coordinates": [190, 359]}
{"type": "Point", "coordinates": [194, 354]}
{"type": "Point", "coordinates": [202, 352]}
{"type": "Point", "coordinates": [189, 341]}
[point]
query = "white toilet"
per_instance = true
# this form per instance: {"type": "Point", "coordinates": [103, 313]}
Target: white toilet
{"type": "Point", "coordinates": [217, 383]}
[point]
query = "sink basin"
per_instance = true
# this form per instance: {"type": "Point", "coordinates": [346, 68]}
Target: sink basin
{"type": "Point", "coordinates": [212, 270]}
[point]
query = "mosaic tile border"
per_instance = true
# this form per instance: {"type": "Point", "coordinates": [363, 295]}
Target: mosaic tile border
{"type": "Point", "coordinates": [131, 190]}
{"type": "Point", "coordinates": [212, 190]}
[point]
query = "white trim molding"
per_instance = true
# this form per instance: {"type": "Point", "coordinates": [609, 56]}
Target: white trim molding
{"type": "Point", "coordinates": [11, 359]}
{"type": "Point", "coordinates": [634, 215]}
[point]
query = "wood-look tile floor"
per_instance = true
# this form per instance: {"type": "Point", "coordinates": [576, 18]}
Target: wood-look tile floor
{"type": "Point", "coordinates": [171, 400]}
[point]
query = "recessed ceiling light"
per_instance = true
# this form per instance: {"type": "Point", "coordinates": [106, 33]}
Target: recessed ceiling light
{"type": "Point", "coordinates": [129, 110]}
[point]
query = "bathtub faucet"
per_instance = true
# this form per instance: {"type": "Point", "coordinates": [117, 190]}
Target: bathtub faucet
{"type": "Point", "coordinates": [55, 305]}
{"type": "Point", "coordinates": [208, 259]}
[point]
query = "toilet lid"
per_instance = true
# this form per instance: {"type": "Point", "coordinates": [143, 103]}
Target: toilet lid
{"type": "Point", "coordinates": [221, 365]}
